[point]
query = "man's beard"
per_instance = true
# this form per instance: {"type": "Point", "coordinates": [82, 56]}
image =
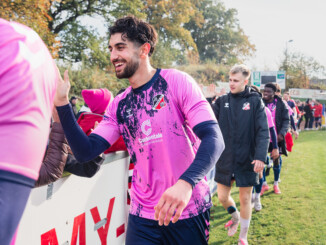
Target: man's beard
{"type": "Point", "coordinates": [129, 70]}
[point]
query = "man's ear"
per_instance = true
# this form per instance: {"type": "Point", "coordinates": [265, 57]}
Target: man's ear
{"type": "Point", "coordinates": [246, 81]}
{"type": "Point", "coordinates": [145, 49]}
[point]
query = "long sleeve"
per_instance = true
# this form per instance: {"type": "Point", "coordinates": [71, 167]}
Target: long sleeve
{"type": "Point", "coordinates": [285, 120]}
{"type": "Point", "coordinates": [87, 169]}
{"type": "Point", "coordinates": [210, 149]}
{"type": "Point", "coordinates": [85, 148]}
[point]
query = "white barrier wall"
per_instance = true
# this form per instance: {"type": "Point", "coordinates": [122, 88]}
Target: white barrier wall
{"type": "Point", "coordinates": [76, 210]}
{"type": "Point", "coordinates": [80, 211]}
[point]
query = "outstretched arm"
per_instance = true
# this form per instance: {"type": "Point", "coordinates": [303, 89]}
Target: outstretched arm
{"type": "Point", "coordinates": [84, 148]}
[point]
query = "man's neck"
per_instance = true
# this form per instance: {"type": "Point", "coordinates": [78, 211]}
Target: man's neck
{"type": "Point", "coordinates": [143, 75]}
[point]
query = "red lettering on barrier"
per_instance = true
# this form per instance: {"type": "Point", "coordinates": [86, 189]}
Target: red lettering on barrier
{"type": "Point", "coordinates": [79, 224]}
{"type": "Point", "coordinates": [120, 230]}
{"type": "Point", "coordinates": [49, 238]}
{"type": "Point", "coordinates": [103, 231]}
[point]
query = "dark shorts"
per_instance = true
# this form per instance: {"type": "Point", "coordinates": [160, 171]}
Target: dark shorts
{"type": "Point", "coordinates": [195, 230]}
{"type": "Point", "coordinates": [246, 178]}
{"type": "Point", "coordinates": [14, 193]}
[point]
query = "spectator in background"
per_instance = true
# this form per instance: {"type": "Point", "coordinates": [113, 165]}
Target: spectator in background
{"type": "Point", "coordinates": [308, 115]}
{"type": "Point", "coordinates": [84, 108]}
{"type": "Point", "coordinates": [73, 103]}
{"type": "Point", "coordinates": [291, 103]}
{"type": "Point", "coordinates": [301, 112]}
{"type": "Point", "coordinates": [98, 100]}
{"type": "Point", "coordinates": [59, 157]}
{"type": "Point", "coordinates": [318, 114]}
{"type": "Point", "coordinates": [28, 79]}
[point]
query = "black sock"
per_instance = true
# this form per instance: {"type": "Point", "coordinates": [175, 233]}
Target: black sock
{"type": "Point", "coordinates": [231, 209]}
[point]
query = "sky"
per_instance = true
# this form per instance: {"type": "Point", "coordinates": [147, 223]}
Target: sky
{"type": "Point", "coordinates": [270, 24]}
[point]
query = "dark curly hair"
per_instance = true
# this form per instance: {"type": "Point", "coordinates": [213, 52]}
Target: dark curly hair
{"type": "Point", "coordinates": [135, 30]}
{"type": "Point", "coordinates": [272, 86]}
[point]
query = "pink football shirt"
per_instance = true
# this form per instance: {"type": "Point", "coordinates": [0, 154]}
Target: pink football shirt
{"type": "Point", "coordinates": [27, 87]}
{"type": "Point", "coordinates": [156, 123]}
{"type": "Point", "coordinates": [269, 118]}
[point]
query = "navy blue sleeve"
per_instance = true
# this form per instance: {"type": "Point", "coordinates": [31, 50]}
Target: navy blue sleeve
{"type": "Point", "coordinates": [210, 149]}
{"type": "Point", "coordinates": [87, 169]}
{"type": "Point", "coordinates": [85, 148]}
{"type": "Point", "coordinates": [292, 123]}
{"type": "Point", "coordinates": [273, 137]}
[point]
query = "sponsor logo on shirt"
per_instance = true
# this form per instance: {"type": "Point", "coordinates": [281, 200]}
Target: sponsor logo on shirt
{"type": "Point", "coordinates": [226, 105]}
{"type": "Point", "coordinates": [146, 128]}
{"type": "Point", "coordinates": [246, 106]}
{"type": "Point", "coordinates": [158, 102]}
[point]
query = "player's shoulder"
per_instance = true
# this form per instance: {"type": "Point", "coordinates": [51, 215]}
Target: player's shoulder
{"type": "Point", "coordinates": [123, 95]}
{"type": "Point", "coordinates": [118, 99]}
{"type": "Point", "coordinates": [174, 75]}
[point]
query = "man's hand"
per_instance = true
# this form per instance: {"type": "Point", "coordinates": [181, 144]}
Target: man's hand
{"type": "Point", "coordinates": [280, 137]}
{"type": "Point", "coordinates": [95, 126]}
{"type": "Point", "coordinates": [275, 154]}
{"type": "Point", "coordinates": [259, 165]}
{"type": "Point", "coordinates": [296, 134]}
{"type": "Point", "coordinates": [173, 201]}
{"type": "Point", "coordinates": [63, 87]}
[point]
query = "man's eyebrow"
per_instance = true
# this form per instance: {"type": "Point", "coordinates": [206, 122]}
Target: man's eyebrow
{"type": "Point", "coordinates": [118, 44]}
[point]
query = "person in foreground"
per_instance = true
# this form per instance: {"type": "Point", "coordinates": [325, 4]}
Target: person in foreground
{"type": "Point", "coordinates": [28, 80]}
{"type": "Point", "coordinates": [242, 119]}
{"type": "Point", "coordinates": [160, 117]}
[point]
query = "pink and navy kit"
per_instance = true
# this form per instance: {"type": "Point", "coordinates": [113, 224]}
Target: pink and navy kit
{"type": "Point", "coordinates": [155, 122]}
{"type": "Point", "coordinates": [159, 122]}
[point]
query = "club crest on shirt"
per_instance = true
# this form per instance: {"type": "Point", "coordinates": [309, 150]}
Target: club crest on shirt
{"type": "Point", "coordinates": [246, 106]}
{"type": "Point", "coordinates": [158, 102]}
{"type": "Point", "coordinates": [226, 105]}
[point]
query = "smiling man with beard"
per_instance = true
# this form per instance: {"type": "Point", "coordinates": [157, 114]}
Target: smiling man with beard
{"type": "Point", "coordinates": [161, 116]}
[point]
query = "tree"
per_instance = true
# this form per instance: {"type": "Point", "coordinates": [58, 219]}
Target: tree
{"type": "Point", "coordinates": [78, 40]}
{"type": "Point", "coordinates": [219, 37]}
{"type": "Point", "coordinates": [168, 17]}
{"type": "Point", "coordinates": [208, 73]}
{"type": "Point", "coordinates": [33, 14]}
{"type": "Point", "coordinates": [300, 69]}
